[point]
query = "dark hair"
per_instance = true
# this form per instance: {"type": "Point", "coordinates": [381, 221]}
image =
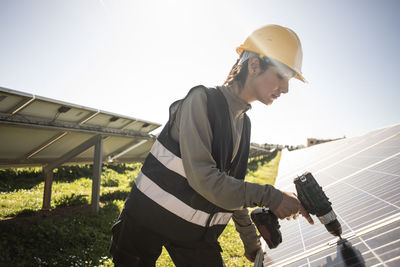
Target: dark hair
{"type": "Point", "coordinates": [239, 73]}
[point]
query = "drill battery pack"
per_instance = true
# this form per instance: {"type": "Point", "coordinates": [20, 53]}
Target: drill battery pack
{"type": "Point", "coordinates": [268, 226]}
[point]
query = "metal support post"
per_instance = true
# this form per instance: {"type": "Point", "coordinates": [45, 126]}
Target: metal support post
{"type": "Point", "coordinates": [48, 176]}
{"type": "Point", "coordinates": [97, 142]}
{"type": "Point", "coordinates": [98, 152]}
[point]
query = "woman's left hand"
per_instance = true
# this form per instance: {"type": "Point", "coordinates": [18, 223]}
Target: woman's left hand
{"type": "Point", "coordinates": [251, 256]}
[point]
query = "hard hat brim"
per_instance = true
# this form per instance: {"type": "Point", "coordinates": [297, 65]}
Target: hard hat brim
{"type": "Point", "coordinates": [300, 77]}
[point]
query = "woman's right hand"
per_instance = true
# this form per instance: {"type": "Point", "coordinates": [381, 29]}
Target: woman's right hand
{"type": "Point", "coordinates": [290, 207]}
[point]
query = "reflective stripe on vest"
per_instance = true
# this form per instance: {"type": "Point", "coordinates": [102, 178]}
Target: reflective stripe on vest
{"type": "Point", "coordinates": [177, 207]}
{"type": "Point", "coordinates": [167, 158]}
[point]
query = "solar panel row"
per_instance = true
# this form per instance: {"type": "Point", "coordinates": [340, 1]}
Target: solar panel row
{"type": "Point", "coordinates": [361, 176]}
{"type": "Point", "coordinates": [39, 131]}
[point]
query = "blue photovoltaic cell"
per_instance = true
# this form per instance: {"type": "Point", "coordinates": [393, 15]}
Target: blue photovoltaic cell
{"type": "Point", "coordinates": [361, 176]}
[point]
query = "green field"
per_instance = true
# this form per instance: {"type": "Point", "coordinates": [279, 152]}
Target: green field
{"type": "Point", "coordinates": [69, 234]}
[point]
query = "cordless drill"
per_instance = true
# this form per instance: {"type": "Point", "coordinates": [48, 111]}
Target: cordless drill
{"type": "Point", "coordinates": [313, 199]}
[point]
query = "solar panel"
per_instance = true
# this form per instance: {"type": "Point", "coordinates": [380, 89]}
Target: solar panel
{"type": "Point", "coordinates": [35, 130]}
{"type": "Point", "coordinates": [361, 176]}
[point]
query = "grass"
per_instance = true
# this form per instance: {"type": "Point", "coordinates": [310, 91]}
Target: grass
{"type": "Point", "coordinates": [266, 170]}
{"type": "Point", "coordinates": [30, 237]}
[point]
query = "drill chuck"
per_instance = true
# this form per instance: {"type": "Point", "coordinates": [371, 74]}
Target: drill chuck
{"type": "Point", "coordinates": [331, 223]}
{"type": "Point", "coordinates": [334, 228]}
{"type": "Point", "coordinates": [327, 218]}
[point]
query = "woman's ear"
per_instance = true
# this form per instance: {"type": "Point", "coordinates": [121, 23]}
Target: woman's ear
{"type": "Point", "coordinates": [254, 66]}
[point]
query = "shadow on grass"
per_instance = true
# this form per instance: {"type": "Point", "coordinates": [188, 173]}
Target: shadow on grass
{"type": "Point", "coordinates": [78, 238]}
{"type": "Point", "coordinates": [255, 163]}
{"type": "Point", "coordinates": [16, 179]}
{"type": "Point", "coordinates": [25, 213]}
{"type": "Point", "coordinates": [122, 168]}
{"type": "Point", "coordinates": [66, 201]}
{"type": "Point", "coordinates": [116, 195]}
{"type": "Point", "coordinates": [72, 200]}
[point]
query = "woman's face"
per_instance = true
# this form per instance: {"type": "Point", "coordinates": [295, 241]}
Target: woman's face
{"type": "Point", "coordinates": [266, 86]}
{"type": "Point", "coordinates": [270, 84]}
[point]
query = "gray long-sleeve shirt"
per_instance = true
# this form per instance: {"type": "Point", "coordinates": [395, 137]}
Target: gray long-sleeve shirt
{"type": "Point", "coordinates": [193, 131]}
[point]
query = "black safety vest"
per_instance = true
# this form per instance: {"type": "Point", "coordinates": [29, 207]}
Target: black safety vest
{"type": "Point", "coordinates": [161, 198]}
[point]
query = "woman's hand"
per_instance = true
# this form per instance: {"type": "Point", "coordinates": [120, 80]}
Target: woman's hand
{"type": "Point", "coordinates": [290, 207]}
{"type": "Point", "coordinates": [251, 256]}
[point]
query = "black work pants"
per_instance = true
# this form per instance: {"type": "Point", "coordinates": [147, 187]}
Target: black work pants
{"type": "Point", "coordinates": [134, 245]}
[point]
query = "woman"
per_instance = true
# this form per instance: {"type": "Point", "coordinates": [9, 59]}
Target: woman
{"type": "Point", "coordinates": [192, 181]}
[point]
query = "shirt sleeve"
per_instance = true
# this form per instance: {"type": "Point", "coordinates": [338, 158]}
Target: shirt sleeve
{"type": "Point", "coordinates": [195, 139]}
{"type": "Point", "coordinates": [246, 230]}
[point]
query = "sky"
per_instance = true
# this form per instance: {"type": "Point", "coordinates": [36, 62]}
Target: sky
{"type": "Point", "coordinates": [135, 58]}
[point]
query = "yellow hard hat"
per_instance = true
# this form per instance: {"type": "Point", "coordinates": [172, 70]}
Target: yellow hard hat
{"type": "Point", "coordinates": [278, 43]}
